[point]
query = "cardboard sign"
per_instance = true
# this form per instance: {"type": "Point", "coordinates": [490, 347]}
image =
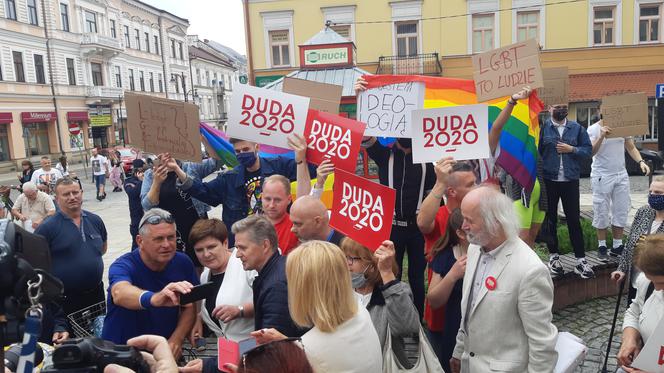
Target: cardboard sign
{"type": "Point", "coordinates": [556, 86]}
{"type": "Point", "coordinates": [159, 125]}
{"type": "Point", "coordinates": [387, 110]}
{"type": "Point", "coordinates": [265, 116]}
{"type": "Point", "coordinates": [324, 97]}
{"type": "Point", "coordinates": [651, 357]}
{"type": "Point", "coordinates": [626, 115]}
{"type": "Point", "coordinates": [504, 71]}
{"type": "Point", "coordinates": [458, 131]}
{"type": "Point", "coordinates": [335, 138]}
{"type": "Point", "coordinates": [362, 210]}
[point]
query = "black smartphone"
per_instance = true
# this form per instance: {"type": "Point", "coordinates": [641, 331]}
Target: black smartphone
{"type": "Point", "coordinates": [198, 293]}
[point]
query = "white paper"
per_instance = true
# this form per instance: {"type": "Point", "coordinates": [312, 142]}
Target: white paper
{"type": "Point", "coordinates": [651, 357]}
{"type": "Point", "coordinates": [265, 116]}
{"type": "Point", "coordinates": [458, 131]}
{"type": "Point", "coordinates": [571, 352]}
{"type": "Point", "coordinates": [387, 110]}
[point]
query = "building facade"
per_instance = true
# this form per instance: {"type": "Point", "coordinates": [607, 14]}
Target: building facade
{"type": "Point", "coordinates": [67, 63]}
{"type": "Point", "coordinates": [609, 46]}
{"type": "Point", "coordinates": [214, 77]}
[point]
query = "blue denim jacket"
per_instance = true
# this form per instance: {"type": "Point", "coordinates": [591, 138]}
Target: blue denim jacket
{"type": "Point", "coordinates": [575, 135]}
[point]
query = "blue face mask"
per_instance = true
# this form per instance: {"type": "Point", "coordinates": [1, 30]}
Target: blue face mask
{"type": "Point", "coordinates": [357, 279]}
{"type": "Point", "coordinates": [656, 201]}
{"type": "Point", "coordinates": [246, 159]}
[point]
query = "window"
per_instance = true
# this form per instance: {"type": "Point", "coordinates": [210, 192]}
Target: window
{"type": "Point", "coordinates": [649, 23]}
{"type": "Point", "coordinates": [151, 82]}
{"type": "Point", "coordinates": [138, 39]}
{"type": "Point", "coordinates": [97, 80]}
{"type": "Point", "coordinates": [71, 72]}
{"type": "Point", "coordinates": [10, 9]}
{"type": "Point", "coordinates": [198, 76]}
{"type": "Point", "coordinates": [64, 16]}
{"type": "Point", "coordinates": [603, 25]}
{"type": "Point", "coordinates": [156, 44]}
{"type": "Point", "coordinates": [32, 12]}
{"type": "Point", "coordinates": [39, 69]}
{"type": "Point", "coordinates": [174, 79]}
{"type": "Point", "coordinates": [141, 80]}
{"type": "Point", "coordinates": [527, 25]}
{"type": "Point", "coordinates": [279, 41]}
{"type": "Point", "coordinates": [131, 80]}
{"type": "Point", "coordinates": [343, 30]}
{"type": "Point", "coordinates": [482, 32]}
{"type": "Point", "coordinates": [161, 83]}
{"type": "Point", "coordinates": [180, 49]}
{"type": "Point", "coordinates": [114, 34]}
{"type": "Point", "coordinates": [587, 113]}
{"type": "Point", "coordinates": [90, 22]}
{"type": "Point", "coordinates": [406, 38]}
{"type": "Point", "coordinates": [173, 48]}
{"type": "Point", "coordinates": [207, 78]}
{"type": "Point", "coordinates": [18, 66]}
{"type": "Point", "coordinates": [126, 34]}
{"type": "Point", "coordinates": [147, 42]}
{"type": "Point", "coordinates": [652, 120]}
{"type": "Point", "coordinates": [0, 71]}
{"type": "Point", "coordinates": [118, 77]}
{"type": "Point", "coordinates": [215, 81]}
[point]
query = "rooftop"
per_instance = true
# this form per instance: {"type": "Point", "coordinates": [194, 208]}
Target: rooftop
{"type": "Point", "coordinates": [592, 87]}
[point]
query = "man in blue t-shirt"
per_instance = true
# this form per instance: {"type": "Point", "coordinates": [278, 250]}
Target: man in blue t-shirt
{"type": "Point", "coordinates": [145, 286]}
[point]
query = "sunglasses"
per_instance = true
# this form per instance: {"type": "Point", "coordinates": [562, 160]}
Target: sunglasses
{"type": "Point", "coordinates": [264, 347]}
{"type": "Point", "coordinates": [156, 219]}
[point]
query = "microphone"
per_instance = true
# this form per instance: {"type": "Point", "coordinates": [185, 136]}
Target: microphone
{"type": "Point", "coordinates": [14, 352]}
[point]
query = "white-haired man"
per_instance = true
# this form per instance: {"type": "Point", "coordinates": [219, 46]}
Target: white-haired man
{"type": "Point", "coordinates": [32, 206]}
{"type": "Point", "coordinates": [507, 294]}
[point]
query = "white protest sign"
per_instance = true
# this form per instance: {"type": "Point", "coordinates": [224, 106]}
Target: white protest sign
{"type": "Point", "coordinates": [458, 131]}
{"type": "Point", "coordinates": [651, 357]}
{"type": "Point", "coordinates": [265, 116]}
{"type": "Point", "coordinates": [387, 110]}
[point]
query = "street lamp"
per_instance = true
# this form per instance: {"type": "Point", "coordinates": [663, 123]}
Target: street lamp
{"type": "Point", "coordinates": [174, 80]}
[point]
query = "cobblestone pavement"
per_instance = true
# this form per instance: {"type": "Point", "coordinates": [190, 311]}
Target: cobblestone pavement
{"type": "Point", "coordinates": [591, 321]}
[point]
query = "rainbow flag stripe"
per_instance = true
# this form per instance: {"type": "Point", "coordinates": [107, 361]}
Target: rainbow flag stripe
{"type": "Point", "coordinates": [520, 135]}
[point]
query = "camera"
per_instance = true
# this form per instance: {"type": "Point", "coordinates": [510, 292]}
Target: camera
{"type": "Point", "coordinates": [92, 355]}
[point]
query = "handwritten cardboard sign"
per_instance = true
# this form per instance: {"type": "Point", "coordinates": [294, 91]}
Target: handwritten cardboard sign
{"type": "Point", "coordinates": [626, 115]}
{"type": "Point", "coordinates": [387, 110]}
{"type": "Point", "coordinates": [651, 357]}
{"type": "Point", "coordinates": [458, 131]}
{"type": "Point", "coordinates": [504, 71]}
{"type": "Point", "coordinates": [335, 138]}
{"type": "Point", "coordinates": [362, 210]}
{"type": "Point", "coordinates": [159, 125]}
{"type": "Point", "coordinates": [265, 116]}
{"type": "Point", "coordinates": [556, 86]}
{"type": "Point", "coordinates": [324, 97]}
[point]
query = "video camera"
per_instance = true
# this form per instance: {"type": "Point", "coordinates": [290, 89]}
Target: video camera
{"type": "Point", "coordinates": [25, 278]}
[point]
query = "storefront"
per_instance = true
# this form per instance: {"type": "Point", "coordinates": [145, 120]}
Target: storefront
{"type": "Point", "coordinates": [100, 122]}
{"type": "Point", "coordinates": [36, 132]}
{"type": "Point", "coordinates": [6, 120]}
{"type": "Point", "coordinates": [77, 119]}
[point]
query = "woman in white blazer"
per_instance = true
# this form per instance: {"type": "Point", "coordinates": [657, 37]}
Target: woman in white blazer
{"type": "Point", "coordinates": [229, 310]}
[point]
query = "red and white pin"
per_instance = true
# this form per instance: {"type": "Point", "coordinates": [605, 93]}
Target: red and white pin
{"type": "Point", "coordinates": [491, 283]}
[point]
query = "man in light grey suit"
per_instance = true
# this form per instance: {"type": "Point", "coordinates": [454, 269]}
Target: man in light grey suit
{"type": "Point", "coordinates": [507, 294]}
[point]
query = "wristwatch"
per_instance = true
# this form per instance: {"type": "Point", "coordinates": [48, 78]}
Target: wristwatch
{"type": "Point", "coordinates": [241, 308]}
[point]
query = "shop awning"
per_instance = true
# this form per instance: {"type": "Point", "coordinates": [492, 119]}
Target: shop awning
{"type": "Point", "coordinates": [77, 116]}
{"type": "Point", "coordinates": [344, 77]}
{"type": "Point", "coordinates": [6, 118]}
{"type": "Point", "coordinates": [592, 87]}
{"type": "Point", "coordinates": [35, 117]}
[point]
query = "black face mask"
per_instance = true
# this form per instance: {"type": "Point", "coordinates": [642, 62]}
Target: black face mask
{"type": "Point", "coordinates": [559, 114]}
{"type": "Point", "coordinates": [405, 143]}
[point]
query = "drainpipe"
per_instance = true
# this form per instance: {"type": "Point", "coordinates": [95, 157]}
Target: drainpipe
{"type": "Point", "coordinates": [50, 77]}
{"type": "Point", "coordinates": [247, 35]}
{"type": "Point", "coordinates": [163, 56]}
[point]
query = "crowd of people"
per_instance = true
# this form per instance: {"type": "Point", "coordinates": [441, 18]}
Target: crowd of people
{"type": "Point", "coordinates": [317, 301]}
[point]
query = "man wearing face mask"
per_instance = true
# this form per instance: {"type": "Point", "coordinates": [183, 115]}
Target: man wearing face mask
{"type": "Point", "coordinates": [563, 145]}
{"type": "Point", "coordinates": [239, 190]}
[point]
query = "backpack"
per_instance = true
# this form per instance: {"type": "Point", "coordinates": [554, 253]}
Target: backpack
{"type": "Point", "coordinates": [649, 291]}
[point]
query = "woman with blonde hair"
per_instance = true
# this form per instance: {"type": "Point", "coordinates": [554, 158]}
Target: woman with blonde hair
{"type": "Point", "coordinates": [342, 337]}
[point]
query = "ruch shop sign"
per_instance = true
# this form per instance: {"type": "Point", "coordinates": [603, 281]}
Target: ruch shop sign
{"type": "Point", "coordinates": [326, 56]}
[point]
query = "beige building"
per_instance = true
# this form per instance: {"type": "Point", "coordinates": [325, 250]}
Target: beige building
{"type": "Point", "coordinates": [73, 72]}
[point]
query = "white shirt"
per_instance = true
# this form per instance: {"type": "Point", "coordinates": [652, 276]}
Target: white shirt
{"type": "Point", "coordinates": [99, 165]}
{"type": "Point", "coordinates": [644, 315]}
{"type": "Point", "coordinates": [484, 265]}
{"type": "Point", "coordinates": [561, 170]}
{"type": "Point", "coordinates": [41, 177]}
{"type": "Point", "coordinates": [609, 159]}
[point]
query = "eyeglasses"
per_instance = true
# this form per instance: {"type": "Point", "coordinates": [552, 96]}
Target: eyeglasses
{"type": "Point", "coordinates": [262, 348]}
{"type": "Point", "coordinates": [156, 219]}
{"type": "Point", "coordinates": [352, 259]}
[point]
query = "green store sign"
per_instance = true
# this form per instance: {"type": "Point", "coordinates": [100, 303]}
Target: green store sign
{"type": "Point", "coordinates": [326, 56]}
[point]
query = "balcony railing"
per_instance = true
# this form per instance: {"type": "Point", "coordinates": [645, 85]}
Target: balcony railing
{"type": "Point", "coordinates": [101, 91]}
{"type": "Point", "coordinates": [92, 39]}
{"type": "Point", "coordinates": [418, 64]}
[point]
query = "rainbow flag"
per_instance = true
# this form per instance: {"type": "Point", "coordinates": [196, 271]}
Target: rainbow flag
{"type": "Point", "coordinates": [520, 135]}
{"type": "Point", "coordinates": [217, 145]}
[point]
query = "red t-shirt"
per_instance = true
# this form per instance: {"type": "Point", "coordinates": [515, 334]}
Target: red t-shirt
{"type": "Point", "coordinates": [435, 317]}
{"type": "Point", "coordinates": [287, 239]}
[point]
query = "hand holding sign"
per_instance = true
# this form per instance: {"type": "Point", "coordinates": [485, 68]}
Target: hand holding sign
{"type": "Point", "coordinates": [299, 146]}
{"type": "Point", "coordinates": [325, 169]}
{"type": "Point", "coordinates": [362, 210]}
{"type": "Point", "coordinates": [443, 168]}
{"type": "Point", "coordinates": [385, 258]}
